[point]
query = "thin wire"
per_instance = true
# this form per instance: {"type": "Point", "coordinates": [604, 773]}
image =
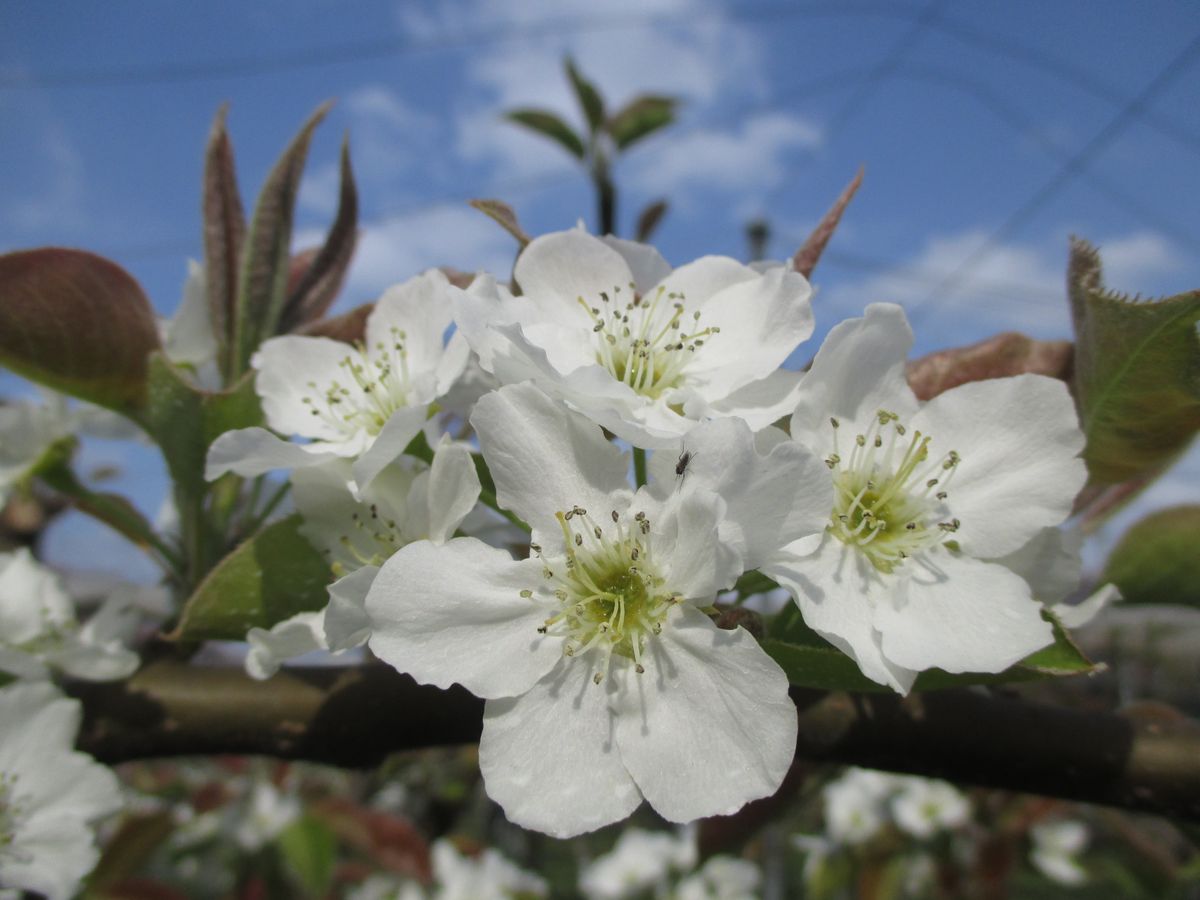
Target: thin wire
{"type": "Point", "coordinates": [1070, 168]}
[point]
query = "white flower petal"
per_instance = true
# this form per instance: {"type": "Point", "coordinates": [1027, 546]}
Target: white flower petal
{"type": "Point", "coordinates": [763, 402]}
{"type": "Point", "coordinates": [346, 621]}
{"type": "Point", "coordinates": [1050, 562]}
{"type": "Point", "coordinates": [294, 636]}
{"type": "Point", "coordinates": [548, 757]}
{"type": "Point", "coordinates": [709, 726]}
{"type": "Point", "coordinates": [1019, 439]}
{"type": "Point", "coordinates": [761, 320]}
{"type": "Point", "coordinates": [686, 529]}
{"type": "Point", "coordinates": [644, 261]}
{"type": "Point", "coordinates": [961, 615]}
{"type": "Point", "coordinates": [703, 279]}
{"type": "Point", "coordinates": [772, 499]}
{"type": "Point", "coordinates": [402, 426]}
{"type": "Point", "coordinates": [422, 310]}
{"type": "Point", "coordinates": [287, 369]}
{"type": "Point", "coordinates": [255, 451]}
{"type": "Point", "coordinates": [1079, 614]}
{"type": "Point", "coordinates": [858, 370]}
{"type": "Point", "coordinates": [837, 591]}
{"type": "Point", "coordinates": [453, 490]}
{"type": "Point", "coordinates": [555, 269]}
{"type": "Point", "coordinates": [454, 613]}
{"type": "Point", "coordinates": [543, 458]}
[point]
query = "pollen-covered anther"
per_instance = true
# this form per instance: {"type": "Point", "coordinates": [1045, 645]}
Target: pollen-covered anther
{"type": "Point", "coordinates": [885, 505]}
{"type": "Point", "coordinates": [609, 604]}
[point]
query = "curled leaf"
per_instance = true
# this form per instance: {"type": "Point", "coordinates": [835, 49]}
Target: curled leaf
{"type": "Point", "coordinates": [549, 125]}
{"type": "Point", "coordinates": [1156, 560]}
{"type": "Point", "coordinates": [318, 284]}
{"type": "Point", "coordinates": [224, 231]}
{"type": "Point", "coordinates": [502, 214]}
{"type": "Point", "coordinates": [649, 220]}
{"type": "Point", "coordinates": [78, 323]}
{"type": "Point", "coordinates": [589, 98]}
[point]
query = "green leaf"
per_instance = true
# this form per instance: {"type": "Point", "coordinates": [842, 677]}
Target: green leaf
{"type": "Point", "coordinates": [224, 234]}
{"type": "Point", "coordinates": [1157, 561]}
{"type": "Point", "coordinates": [549, 125]}
{"type": "Point", "coordinates": [809, 661]}
{"type": "Point", "coordinates": [806, 257]}
{"type": "Point", "coordinates": [184, 420]}
{"type": "Point", "coordinates": [502, 214]}
{"type": "Point", "coordinates": [78, 323]}
{"type": "Point", "coordinates": [320, 281]}
{"type": "Point", "coordinates": [589, 98]}
{"type": "Point", "coordinates": [1137, 373]}
{"type": "Point", "coordinates": [273, 575]}
{"type": "Point", "coordinates": [640, 118]}
{"type": "Point", "coordinates": [309, 847]}
{"type": "Point", "coordinates": [263, 278]}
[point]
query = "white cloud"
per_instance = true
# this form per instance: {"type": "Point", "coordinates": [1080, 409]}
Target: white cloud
{"type": "Point", "coordinates": [749, 158]}
{"type": "Point", "coordinates": [1011, 288]}
{"type": "Point", "coordinates": [396, 249]}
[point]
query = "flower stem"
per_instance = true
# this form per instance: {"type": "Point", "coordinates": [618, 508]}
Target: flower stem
{"type": "Point", "coordinates": [639, 466]}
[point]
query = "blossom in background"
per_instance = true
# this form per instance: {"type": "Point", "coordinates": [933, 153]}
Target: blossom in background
{"type": "Point", "coordinates": [605, 682]}
{"type": "Point", "coordinates": [647, 352]}
{"type": "Point", "coordinates": [721, 878]}
{"type": "Point", "coordinates": [639, 861]}
{"type": "Point", "coordinates": [363, 402]}
{"type": "Point", "coordinates": [925, 806]}
{"type": "Point", "coordinates": [407, 501]}
{"type": "Point", "coordinates": [1056, 846]}
{"type": "Point", "coordinates": [267, 812]}
{"type": "Point", "coordinates": [27, 431]}
{"type": "Point", "coordinates": [930, 499]}
{"type": "Point", "coordinates": [39, 631]}
{"type": "Point", "coordinates": [487, 876]}
{"type": "Point", "coordinates": [50, 795]}
{"type": "Point", "coordinates": [187, 337]}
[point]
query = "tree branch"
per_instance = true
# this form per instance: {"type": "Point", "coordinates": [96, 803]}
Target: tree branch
{"type": "Point", "coordinates": [355, 717]}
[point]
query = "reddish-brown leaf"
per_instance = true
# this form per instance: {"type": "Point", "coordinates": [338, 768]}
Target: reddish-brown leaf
{"type": "Point", "coordinates": [349, 327]}
{"type": "Point", "coordinates": [78, 323]}
{"type": "Point", "coordinates": [807, 256]}
{"type": "Point", "coordinates": [501, 213]}
{"type": "Point", "coordinates": [224, 231]}
{"type": "Point", "coordinates": [1004, 354]}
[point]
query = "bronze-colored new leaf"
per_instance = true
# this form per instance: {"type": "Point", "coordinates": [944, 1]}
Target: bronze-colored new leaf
{"type": "Point", "coordinates": [1004, 354]}
{"type": "Point", "coordinates": [224, 234]}
{"type": "Point", "coordinates": [649, 220]}
{"type": "Point", "coordinates": [1137, 373]}
{"type": "Point", "coordinates": [502, 214]}
{"type": "Point", "coordinates": [78, 323]}
{"type": "Point", "coordinates": [319, 283]}
{"type": "Point", "coordinates": [806, 257]}
{"type": "Point", "coordinates": [264, 267]}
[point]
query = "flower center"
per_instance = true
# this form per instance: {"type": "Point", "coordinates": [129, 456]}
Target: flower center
{"type": "Point", "coordinates": [377, 385]}
{"type": "Point", "coordinates": [889, 497]}
{"type": "Point", "coordinates": [373, 538]}
{"type": "Point", "coordinates": [643, 342]}
{"type": "Point", "coordinates": [612, 597]}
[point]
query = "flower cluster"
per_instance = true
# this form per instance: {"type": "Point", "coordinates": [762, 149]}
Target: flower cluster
{"type": "Point", "coordinates": [628, 430]}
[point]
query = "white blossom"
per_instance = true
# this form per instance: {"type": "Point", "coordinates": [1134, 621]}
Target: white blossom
{"type": "Point", "coordinates": [358, 530]}
{"type": "Point", "coordinates": [910, 573]}
{"type": "Point", "coordinates": [639, 861]}
{"type": "Point", "coordinates": [40, 633]}
{"type": "Point", "coordinates": [268, 811]}
{"type": "Point", "coordinates": [488, 876]}
{"type": "Point", "coordinates": [925, 806]}
{"type": "Point", "coordinates": [46, 839]}
{"type": "Point", "coordinates": [1056, 846]}
{"type": "Point", "coordinates": [647, 352]}
{"type": "Point", "coordinates": [721, 878]}
{"type": "Point", "coordinates": [362, 402]}
{"type": "Point", "coordinates": [605, 683]}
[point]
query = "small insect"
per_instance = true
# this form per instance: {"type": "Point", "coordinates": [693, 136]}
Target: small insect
{"type": "Point", "coordinates": [682, 463]}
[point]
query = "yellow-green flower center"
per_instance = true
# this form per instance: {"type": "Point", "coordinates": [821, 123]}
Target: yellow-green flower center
{"type": "Point", "coordinates": [611, 597]}
{"type": "Point", "coordinates": [889, 497]}
{"type": "Point", "coordinates": [644, 342]}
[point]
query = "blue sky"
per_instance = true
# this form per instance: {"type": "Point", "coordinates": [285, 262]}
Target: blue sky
{"type": "Point", "coordinates": [989, 133]}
